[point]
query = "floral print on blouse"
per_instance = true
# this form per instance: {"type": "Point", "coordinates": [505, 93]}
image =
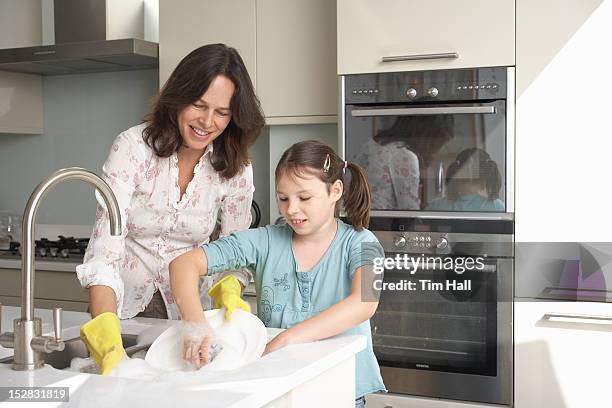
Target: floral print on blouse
{"type": "Point", "coordinates": [157, 223]}
{"type": "Point", "coordinates": [393, 174]}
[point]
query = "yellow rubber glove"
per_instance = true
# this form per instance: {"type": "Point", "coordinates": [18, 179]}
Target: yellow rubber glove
{"type": "Point", "coordinates": [226, 293]}
{"type": "Point", "coordinates": [102, 336]}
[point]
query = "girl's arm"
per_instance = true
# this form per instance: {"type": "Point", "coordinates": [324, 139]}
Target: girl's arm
{"type": "Point", "coordinates": [185, 271]}
{"type": "Point", "coordinates": [337, 319]}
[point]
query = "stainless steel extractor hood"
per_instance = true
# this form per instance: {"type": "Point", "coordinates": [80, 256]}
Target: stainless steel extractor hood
{"type": "Point", "coordinates": [81, 44]}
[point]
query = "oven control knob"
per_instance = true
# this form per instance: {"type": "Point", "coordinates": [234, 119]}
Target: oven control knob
{"type": "Point", "coordinates": [411, 93]}
{"type": "Point", "coordinates": [442, 243]}
{"type": "Point", "coordinates": [433, 92]}
{"type": "Point", "coordinates": [400, 241]}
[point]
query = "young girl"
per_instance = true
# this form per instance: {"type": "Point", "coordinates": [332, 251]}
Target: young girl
{"type": "Point", "coordinates": [307, 272]}
{"type": "Point", "coordinates": [473, 182]}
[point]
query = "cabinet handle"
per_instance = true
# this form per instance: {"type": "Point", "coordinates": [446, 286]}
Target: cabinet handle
{"type": "Point", "coordinates": [570, 316]}
{"type": "Point", "coordinates": [416, 57]}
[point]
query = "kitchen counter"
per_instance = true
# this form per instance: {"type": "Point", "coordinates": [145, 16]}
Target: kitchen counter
{"type": "Point", "coordinates": [319, 373]}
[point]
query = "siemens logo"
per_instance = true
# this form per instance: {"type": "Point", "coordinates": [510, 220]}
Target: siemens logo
{"type": "Point", "coordinates": [422, 365]}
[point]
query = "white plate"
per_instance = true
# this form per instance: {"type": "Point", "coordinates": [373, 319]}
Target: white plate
{"type": "Point", "coordinates": [243, 340]}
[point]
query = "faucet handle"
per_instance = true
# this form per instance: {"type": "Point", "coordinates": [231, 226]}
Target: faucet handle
{"type": "Point", "coordinates": [57, 323]}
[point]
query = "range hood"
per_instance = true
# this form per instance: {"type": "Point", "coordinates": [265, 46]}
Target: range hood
{"type": "Point", "coordinates": [90, 36]}
{"type": "Point", "coordinates": [81, 57]}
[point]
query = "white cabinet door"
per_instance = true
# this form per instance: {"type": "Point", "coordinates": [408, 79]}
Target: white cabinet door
{"type": "Point", "coordinates": [189, 24]}
{"type": "Point", "coordinates": [481, 32]}
{"type": "Point", "coordinates": [563, 141]}
{"type": "Point", "coordinates": [562, 361]}
{"type": "Point", "coordinates": [21, 103]}
{"type": "Point", "coordinates": [296, 58]}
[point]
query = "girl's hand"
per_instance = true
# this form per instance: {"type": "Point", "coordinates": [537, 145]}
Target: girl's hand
{"type": "Point", "coordinates": [277, 343]}
{"type": "Point", "coordinates": [197, 339]}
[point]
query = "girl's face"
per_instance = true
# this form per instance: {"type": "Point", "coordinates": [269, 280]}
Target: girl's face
{"type": "Point", "coordinates": [305, 202]}
{"type": "Point", "coordinates": [203, 121]}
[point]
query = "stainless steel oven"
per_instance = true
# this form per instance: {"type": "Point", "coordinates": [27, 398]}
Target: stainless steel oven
{"type": "Point", "coordinates": [449, 335]}
{"type": "Point", "coordinates": [438, 150]}
{"type": "Point", "coordinates": [433, 143]}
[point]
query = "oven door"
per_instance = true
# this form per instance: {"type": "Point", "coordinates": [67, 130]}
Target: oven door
{"type": "Point", "coordinates": [442, 157]}
{"type": "Point", "coordinates": [447, 343]}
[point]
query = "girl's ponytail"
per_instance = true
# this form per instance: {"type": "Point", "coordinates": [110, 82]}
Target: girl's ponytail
{"type": "Point", "coordinates": [357, 198]}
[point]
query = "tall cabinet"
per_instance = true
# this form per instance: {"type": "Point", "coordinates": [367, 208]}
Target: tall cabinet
{"type": "Point", "coordinates": [563, 145]}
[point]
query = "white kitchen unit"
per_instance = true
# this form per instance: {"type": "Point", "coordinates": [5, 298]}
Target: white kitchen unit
{"type": "Point", "coordinates": [562, 354]}
{"type": "Point", "coordinates": [287, 46]}
{"type": "Point", "coordinates": [21, 103]}
{"type": "Point", "coordinates": [319, 374]}
{"type": "Point", "coordinates": [21, 106]}
{"type": "Point", "coordinates": [563, 121]}
{"type": "Point", "coordinates": [195, 23]}
{"type": "Point", "coordinates": [296, 60]}
{"type": "Point", "coordinates": [410, 32]}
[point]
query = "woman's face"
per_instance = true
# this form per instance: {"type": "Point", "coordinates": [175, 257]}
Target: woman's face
{"type": "Point", "coordinates": [203, 121]}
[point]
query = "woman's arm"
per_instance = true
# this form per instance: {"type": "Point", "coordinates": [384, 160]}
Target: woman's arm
{"type": "Point", "coordinates": [185, 271]}
{"type": "Point", "coordinates": [102, 299]}
{"type": "Point", "coordinates": [337, 319]}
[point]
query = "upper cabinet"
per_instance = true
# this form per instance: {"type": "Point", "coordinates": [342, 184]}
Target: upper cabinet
{"type": "Point", "coordinates": [196, 23]}
{"type": "Point", "coordinates": [288, 47]}
{"type": "Point", "coordinates": [21, 106]}
{"type": "Point", "coordinates": [21, 103]}
{"type": "Point", "coordinates": [412, 35]}
{"type": "Point", "coordinates": [296, 60]}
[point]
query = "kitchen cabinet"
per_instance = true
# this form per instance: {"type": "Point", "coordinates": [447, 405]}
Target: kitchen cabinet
{"type": "Point", "coordinates": [20, 94]}
{"type": "Point", "coordinates": [296, 60]}
{"type": "Point", "coordinates": [288, 48]}
{"type": "Point", "coordinates": [195, 23]}
{"type": "Point", "coordinates": [51, 289]}
{"type": "Point", "coordinates": [562, 361]}
{"type": "Point", "coordinates": [563, 121]}
{"type": "Point", "coordinates": [21, 103]}
{"type": "Point", "coordinates": [481, 32]}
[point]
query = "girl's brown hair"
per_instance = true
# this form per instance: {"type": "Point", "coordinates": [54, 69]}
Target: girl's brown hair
{"type": "Point", "coordinates": [318, 159]}
{"type": "Point", "coordinates": [473, 166]}
{"type": "Point", "coordinates": [187, 83]}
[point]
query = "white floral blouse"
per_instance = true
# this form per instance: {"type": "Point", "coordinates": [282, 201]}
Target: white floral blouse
{"type": "Point", "coordinates": [158, 224]}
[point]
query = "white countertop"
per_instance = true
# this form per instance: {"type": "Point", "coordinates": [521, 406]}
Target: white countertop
{"type": "Point", "coordinates": [252, 386]}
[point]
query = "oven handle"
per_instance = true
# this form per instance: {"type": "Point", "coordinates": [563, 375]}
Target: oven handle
{"type": "Point", "coordinates": [416, 57]}
{"type": "Point", "coordinates": [446, 110]}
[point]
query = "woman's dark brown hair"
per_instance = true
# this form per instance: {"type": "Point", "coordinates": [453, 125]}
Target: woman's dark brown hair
{"type": "Point", "coordinates": [187, 83]}
{"type": "Point", "coordinates": [472, 166]}
{"type": "Point", "coordinates": [318, 159]}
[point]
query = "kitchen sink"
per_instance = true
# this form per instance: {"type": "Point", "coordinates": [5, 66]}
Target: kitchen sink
{"type": "Point", "coordinates": [76, 348]}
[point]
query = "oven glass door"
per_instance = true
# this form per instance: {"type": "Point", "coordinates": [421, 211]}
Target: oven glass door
{"type": "Point", "coordinates": [435, 157]}
{"type": "Point", "coordinates": [442, 328]}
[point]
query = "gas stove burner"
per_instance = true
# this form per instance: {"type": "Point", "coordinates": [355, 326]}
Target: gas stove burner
{"type": "Point", "coordinates": [63, 247]}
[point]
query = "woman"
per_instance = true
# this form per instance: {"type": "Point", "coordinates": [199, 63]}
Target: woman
{"type": "Point", "coordinates": [171, 175]}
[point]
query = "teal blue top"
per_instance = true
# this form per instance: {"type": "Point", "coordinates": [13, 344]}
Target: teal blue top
{"type": "Point", "coordinates": [286, 296]}
{"type": "Point", "coordinates": [469, 202]}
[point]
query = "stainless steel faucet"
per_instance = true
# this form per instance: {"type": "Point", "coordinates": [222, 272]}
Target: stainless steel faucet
{"type": "Point", "coordinates": [27, 339]}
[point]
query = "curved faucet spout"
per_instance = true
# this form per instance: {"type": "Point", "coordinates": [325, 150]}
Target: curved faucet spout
{"type": "Point", "coordinates": [29, 216]}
